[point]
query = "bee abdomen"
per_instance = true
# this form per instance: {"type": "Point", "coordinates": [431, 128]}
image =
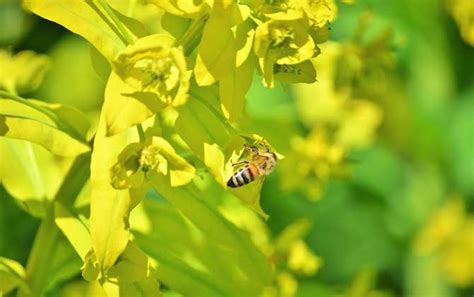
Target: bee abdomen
{"type": "Point", "coordinates": [241, 178]}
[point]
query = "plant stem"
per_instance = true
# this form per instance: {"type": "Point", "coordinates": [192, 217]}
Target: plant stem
{"type": "Point", "coordinates": [120, 27]}
{"type": "Point", "coordinates": [45, 243]}
{"type": "Point", "coordinates": [224, 121]}
{"type": "Point", "coordinates": [141, 133]}
{"type": "Point", "coordinates": [194, 32]}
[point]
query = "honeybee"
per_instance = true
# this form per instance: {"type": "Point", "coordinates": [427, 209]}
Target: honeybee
{"type": "Point", "coordinates": [260, 163]}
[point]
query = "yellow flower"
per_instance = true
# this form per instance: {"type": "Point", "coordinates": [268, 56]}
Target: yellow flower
{"type": "Point", "coordinates": [302, 260]}
{"type": "Point", "coordinates": [154, 156]}
{"type": "Point", "coordinates": [287, 284]}
{"type": "Point", "coordinates": [449, 235]}
{"type": "Point", "coordinates": [454, 258]}
{"type": "Point", "coordinates": [184, 8]}
{"type": "Point", "coordinates": [440, 226]}
{"type": "Point", "coordinates": [282, 40]}
{"type": "Point", "coordinates": [153, 65]}
{"type": "Point", "coordinates": [23, 72]}
{"type": "Point", "coordinates": [313, 162]}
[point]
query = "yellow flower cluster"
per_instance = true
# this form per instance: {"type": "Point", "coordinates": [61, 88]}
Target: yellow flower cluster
{"type": "Point", "coordinates": [449, 234]}
{"type": "Point", "coordinates": [338, 121]}
{"type": "Point", "coordinates": [23, 72]}
{"type": "Point", "coordinates": [286, 38]}
{"type": "Point", "coordinates": [154, 66]}
{"type": "Point", "coordinates": [138, 161]}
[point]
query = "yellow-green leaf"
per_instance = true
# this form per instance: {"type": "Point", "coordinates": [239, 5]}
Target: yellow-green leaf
{"type": "Point", "coordinates": [74, 229]}
{"type": "Point", "coordinates": [191, 258]}
{"type": "Point", "coordinates": [30, 174]}
{"type": "Point", "coordinates": [85, 18]}
{"type": "Point", "coordinates": [12, 275]}
{"type": "Point", "coordinates": [232, 90]}
{"type": "Point", "coordinates": [60, 129]}
{"type": "Point", "coordinates": [133, 265]}
{"type": "Point", "coordinates": [250, 195]}
{"type": "Point", "coordinates": [208, 137]}
{"type": "Point", "coordinates": [216, 52]}
{"type": "Point", "coordinates": [219, 233]}
{"type": "Point", "coordinates": [215, 143]}
{"type": "Point", "coordinates": [184, 8]}
{"type": "Point", "coordinates": [54, 140]}
{"type": "Point", "coordinates": [244, 34]}
{"type": "Point", "coordinates": [110, 207]}
{"type": "Point", "coordinates": [174, 24]}
{"type": "Point", "coordinates": [132, 275]}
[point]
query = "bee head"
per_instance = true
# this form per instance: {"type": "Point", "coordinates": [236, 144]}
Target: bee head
{"type": "Point", "coordinates": [253, 150]}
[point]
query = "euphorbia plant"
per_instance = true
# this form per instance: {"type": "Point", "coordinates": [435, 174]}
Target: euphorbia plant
{"type": "Point", "coordinates": [172, 106]}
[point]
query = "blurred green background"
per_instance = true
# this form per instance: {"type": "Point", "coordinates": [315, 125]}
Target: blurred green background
{"type": "Point", "coordinates": [392, 218]}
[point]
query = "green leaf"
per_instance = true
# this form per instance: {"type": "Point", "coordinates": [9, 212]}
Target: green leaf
{"type": "Point", "coordinates": [232, 90]}
{"type": "Point", "coordinates": [204, 265]}
{"type": "Point", "coordinates": [87, 19]}
{"type": "Point", "coordinates": [123, 107]}
{"type": "Point", "coordinates": [174, 24]}
{"type": "Point", "coordinates": [215, 143]}
{"type": "Point", "coordinates": [30, 174]}
{"type": "Point", "coordinates": [133, 265]}
{"type": "Point", "coordinates": [74, 229]}
{"type": "Point", "coordinates": [244, 34]}
{"type": "Point", "coordinates": [216, 52]}
{"type": "Point", "coordinates": [424, 277]}
{"type": "Point", "coordinates": [51, 259]}
{"type": "Point", "coordinates": [146, 288]}
{"type": "Point", "coordinates": [52, 139]}
{"type": "Point", "coordinates": [250, 195]}
{"type": "Point", "coordinates": [132, 275]}
{"type": "Point", "coordinates": [12, 275]}
{"type": "Point", "coordinates": [208, 137]}
{"type": "Point", "coordinates": [60, 129]}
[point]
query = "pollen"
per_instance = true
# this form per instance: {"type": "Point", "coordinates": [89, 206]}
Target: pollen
{"type": "Point", "coordinates": [149, 158]}
{"type": "Point", "coordinates": [281, 36]}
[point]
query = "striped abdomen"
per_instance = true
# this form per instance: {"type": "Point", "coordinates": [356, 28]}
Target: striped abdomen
{"type": "Point", "coordinates": [243, 176]}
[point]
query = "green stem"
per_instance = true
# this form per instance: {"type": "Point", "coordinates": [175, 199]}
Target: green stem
{"type": "Point", "coordinates": [45, 244]}
{"type": "Point", "coordinates": [74, 181]}
{"type": "Point", "coordinates": [194, 32]}
{"type": "Point", "coordinates": [141, 133]}
{"type": "Point", "coordinates": [41, 256]}
{"type": "Point", "coordinates": [120, 27]}
{"type": "Point", "coordinates": [131, 7]}
{"type": "Point", "coordinates": [224, 121]}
